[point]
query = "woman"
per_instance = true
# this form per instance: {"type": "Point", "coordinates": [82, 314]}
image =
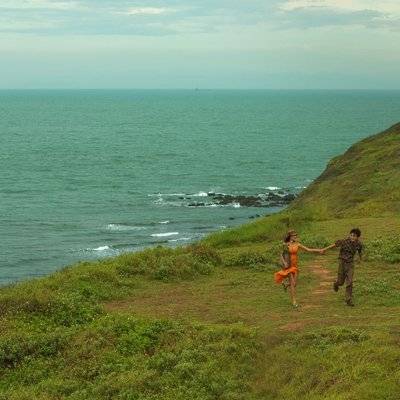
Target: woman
{"type": "Point", "coordinates": [289, 257]}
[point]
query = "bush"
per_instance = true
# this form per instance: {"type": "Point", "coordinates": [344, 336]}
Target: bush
{"type": "Point", "coordinates": [383, 249]}
{"type": "Point", "coordinates": [331, 337]}
{"type": "Point", "coordinates": [254, 259]}
{"type": "Point", "coordinates": [205, 254]}
{"type": "Point", "coordinates": [166, 264]}
{"type": "Point", "coordinates": [15, 348]}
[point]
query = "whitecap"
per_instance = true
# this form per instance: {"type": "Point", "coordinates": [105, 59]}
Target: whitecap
{"type": "Point", "coordinates": [164, 234]}
{"type": "Point", "coordinates": [165, 194]}
{"type": "Point", "coordinates": [101, 248]}
{"type": "Point", "coordinates": [182, 239]}
{"type": "Point", "coordinates": [272, 188]}
{"type": "Point", "coordinates": [164, 222]}
{"type": "Point", "coordinates": [236, 205]}
{"type": "Point", "coordinates": [122, 227]}
{"type": "Point", "coordinates": [201, 194]}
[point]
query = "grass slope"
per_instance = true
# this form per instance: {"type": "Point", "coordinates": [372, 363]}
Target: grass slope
{"type": "Point", "coordinates": [207, 322]}
{"type": "Point", "coordinates": [364, 181]}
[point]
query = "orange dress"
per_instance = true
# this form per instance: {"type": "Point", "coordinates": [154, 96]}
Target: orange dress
{"type": "Point", "coordinates": [293, 269]}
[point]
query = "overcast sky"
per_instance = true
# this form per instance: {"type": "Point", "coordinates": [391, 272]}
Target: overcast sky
{"type": "Point", "coordinates": [299, 44]}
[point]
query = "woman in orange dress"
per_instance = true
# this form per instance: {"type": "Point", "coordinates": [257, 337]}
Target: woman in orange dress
{"type": "Point", "coordinates": [289, 261]}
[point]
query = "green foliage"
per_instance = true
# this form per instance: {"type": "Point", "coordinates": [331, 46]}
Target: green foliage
{"type": "Point", "coordinates": [14, 348]}
{"type": "Point", "coordinates": [123, 357]}
{"type": "Point", "coordinates": [383, 249]}
{"type": "Point", "coordinates": [364, 181]}
{"type": "Point", "coordinates": [169, 264]}
{"type": "Point", "coordinates": [57, 341]}
{"type": "Point", "coordinates": [314, 241]}
{"type": "Point", "coordinates": [331, 337]}
{"type": "Point", "coordinates": [257, 260]}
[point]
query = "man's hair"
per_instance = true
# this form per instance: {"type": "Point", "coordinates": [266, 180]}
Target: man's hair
{"type": "Point", "coordinates": [356, 231]}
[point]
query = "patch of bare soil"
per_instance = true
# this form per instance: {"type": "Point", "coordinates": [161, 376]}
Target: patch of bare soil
{"type": "Point", "coordinates": [313, 301]}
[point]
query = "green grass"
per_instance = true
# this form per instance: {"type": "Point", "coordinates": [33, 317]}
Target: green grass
{"type": "Point", "coordinates": [207, 321]}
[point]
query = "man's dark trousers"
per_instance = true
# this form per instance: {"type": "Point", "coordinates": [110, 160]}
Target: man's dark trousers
{"type": "Point", "coordinates": [345, 274]}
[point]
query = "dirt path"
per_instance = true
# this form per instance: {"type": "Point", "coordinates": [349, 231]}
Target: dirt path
{"type": "Point", "coordinates": [316, 296]}
{"type": "Point", "coordinates": [231, 296]}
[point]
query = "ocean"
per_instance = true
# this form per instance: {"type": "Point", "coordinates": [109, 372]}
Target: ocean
{"type": "Point", "coordinates": [90, 174]}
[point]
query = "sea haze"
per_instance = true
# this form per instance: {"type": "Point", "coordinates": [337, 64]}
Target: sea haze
{"type": "Point", "coordinates": [90, 174]}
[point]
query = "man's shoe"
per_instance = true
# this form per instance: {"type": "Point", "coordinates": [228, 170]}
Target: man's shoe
{"type": "Point", "coordinates": [350, 303]}
{"type": "Point", "coordinates": [335, 287]}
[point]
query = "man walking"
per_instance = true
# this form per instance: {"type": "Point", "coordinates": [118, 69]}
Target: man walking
{"type": "Point", "coordinates": [348, 248]}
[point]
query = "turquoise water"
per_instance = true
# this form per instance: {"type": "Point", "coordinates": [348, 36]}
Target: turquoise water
{"type": "Point", "coordinates": [89, 174]}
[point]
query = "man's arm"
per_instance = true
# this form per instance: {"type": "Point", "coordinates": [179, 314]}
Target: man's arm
{"type": "Point", "coordinates": [360, 251]}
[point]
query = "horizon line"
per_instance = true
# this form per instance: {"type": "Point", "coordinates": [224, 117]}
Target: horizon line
{"type": "Point", "coordinates": [203, 89]}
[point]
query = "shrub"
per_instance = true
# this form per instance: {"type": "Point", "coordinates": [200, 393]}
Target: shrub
{"type": "Point", "coordinates": [331, 337]}
{"type": "Point", "coordinates": [383, 249]}
{"type": "Point", "coordinates": [15, 348]}
{"type": "Point", "coordinates": [205, 254]}
{"type": "Point", "coordinates": [254, 259]}
{"type": "Point", "coordinates": [165, 264]}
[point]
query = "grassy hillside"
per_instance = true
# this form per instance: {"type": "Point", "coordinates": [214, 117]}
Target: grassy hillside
{"type": "Point", "coordinates": [207, 321]}
{"type": "Point", "coordinates": [364, 181]}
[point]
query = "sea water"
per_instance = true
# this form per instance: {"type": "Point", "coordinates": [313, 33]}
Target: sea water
{"type": "Point", "coordinates": [91, 174]}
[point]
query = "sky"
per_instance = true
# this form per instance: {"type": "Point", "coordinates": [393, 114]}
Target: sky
{"type": "Point", "coordinates": [243, 44]}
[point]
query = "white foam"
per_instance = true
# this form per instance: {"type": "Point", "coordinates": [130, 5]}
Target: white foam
{"type": "Point", "coordinates": [165, 194]}
{"type": "Point", "coordinates": [182, 239]}
{"type": "Point", "coordinates": [272, 188]}
{"type": "Point", "coordinates": [164, 222]}
{"type": "Point", "coordinates": [120, 227]}
{"type": "Point", "coordinates": [164, 234]}
{"type": "Point", "coordinates": [201, 194]}
{"type": "Point", "coordinates": [101, 248]}
{"type": "Point", "coordinates": [236, 205]}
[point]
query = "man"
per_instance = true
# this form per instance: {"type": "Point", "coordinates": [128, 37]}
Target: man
{"type": "Point", "coordinates": [348, 248]}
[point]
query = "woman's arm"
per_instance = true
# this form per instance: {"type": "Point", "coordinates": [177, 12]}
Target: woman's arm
{"type": "Point", "coordinates": [338, 243]}
{"type": "Point", "coordinates": [283, 262]}
{"type": "Point", "coordinates": [329, 247]}
{"type": "Point", "coordinates": [310, 250]}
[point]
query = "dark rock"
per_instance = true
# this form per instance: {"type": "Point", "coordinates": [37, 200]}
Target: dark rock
{"type": "Point", "coordinates": [270, 199]}
{"type": "Point", "coordinates": [196, 204]}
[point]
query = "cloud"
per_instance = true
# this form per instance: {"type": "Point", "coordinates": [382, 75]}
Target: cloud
{"type": "Point", "coordinates": [158, 17]}
{"type": "Point", "coordinates": [382, 6]}
{"type": "Point", "coordinates": [18, 5]}
{"type": "Point", "coordinates": [178, 17]}
{"type": "Point", "coordinates": [318, 13]}
{"type": "Point", "coordinates": [147, 10]}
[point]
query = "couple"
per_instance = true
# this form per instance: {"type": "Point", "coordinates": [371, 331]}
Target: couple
{"type": "Point", "coordinates": [348, 248]}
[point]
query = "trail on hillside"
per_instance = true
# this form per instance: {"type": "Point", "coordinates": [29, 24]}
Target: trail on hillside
{"type": "Point", "coordinates": [314, 299]}
{"type": "Point", "coordinates": [232, 296]}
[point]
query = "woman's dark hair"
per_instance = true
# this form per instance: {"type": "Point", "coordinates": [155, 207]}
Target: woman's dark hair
{"type": "Point", "coordinates": [356, 231]}
{"type": "Point", "coordinates": [287, 237]}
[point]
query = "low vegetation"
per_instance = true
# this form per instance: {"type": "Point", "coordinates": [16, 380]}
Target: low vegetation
{"type": "Point", "coordinates": [207, 322]}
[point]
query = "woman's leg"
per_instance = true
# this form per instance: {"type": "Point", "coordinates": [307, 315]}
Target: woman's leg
{"type": "Point", "coordinates": [293, 279]}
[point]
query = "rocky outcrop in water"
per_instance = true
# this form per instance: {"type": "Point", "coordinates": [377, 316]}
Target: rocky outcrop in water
{"type": "Point", "coordinates": [269, 199]}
